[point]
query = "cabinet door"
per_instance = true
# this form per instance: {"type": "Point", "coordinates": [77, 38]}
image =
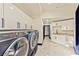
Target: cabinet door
{"type": "Point", "coordinates": [70, 41]}
{"type": "Point", "coordinates": [62, 39]}
{"type": "Point", "coordinates": [10, 17]}
{"type": "Point", "coordinates": [59, 39]}
{"type": "Point", "coordinates": [13, 15]}
{"type": "Point", "coordinates": [1, 14]}
{"type": "Point", "coordinates": [54, 38]}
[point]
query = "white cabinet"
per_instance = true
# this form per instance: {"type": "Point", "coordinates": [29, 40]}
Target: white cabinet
{"type": "Point", "coordinates": [70, 41]}
{"type": "Point", "coordinates": [10, 16]}
{"type": "Point", "coordinates": [68, 25]}
{"type": "Point", "coordinates": [13, 16]}
{"type": "Point", "coordinates": [1, 10]}
{"type": "Point", "coordinates": [59, 39]}
{"type": "Point", "coordinates": [63, 32]}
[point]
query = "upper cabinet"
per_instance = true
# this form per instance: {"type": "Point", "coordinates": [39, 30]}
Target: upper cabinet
{"type": "Point", "coordinates": [12, 15]}
{"type": "Point", "coordinates": [1, 10]}
{"type": "Point", "coordinates": [62, 26]}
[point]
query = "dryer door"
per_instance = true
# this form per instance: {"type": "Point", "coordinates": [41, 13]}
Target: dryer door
{"type": "Point", "coordinates": [19, 47]}
{"type": "Point", "coordinates": [33, 40]}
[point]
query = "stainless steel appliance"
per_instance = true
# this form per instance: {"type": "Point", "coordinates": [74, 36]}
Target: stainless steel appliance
{"type": "Point", "coordinates": [18, 42]}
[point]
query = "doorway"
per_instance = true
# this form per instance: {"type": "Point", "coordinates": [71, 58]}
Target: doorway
{"type": "Point", "coordinates": [46, 31]}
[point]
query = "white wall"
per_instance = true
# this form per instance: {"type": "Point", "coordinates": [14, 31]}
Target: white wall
{"type": "Point", "coordinates": [12, 15]}
{"type": "Point", "coordinates": [37, 25]}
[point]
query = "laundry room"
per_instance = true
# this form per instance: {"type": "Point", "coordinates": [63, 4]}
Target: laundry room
{"type": "Point", "coordinates": [38, 29]}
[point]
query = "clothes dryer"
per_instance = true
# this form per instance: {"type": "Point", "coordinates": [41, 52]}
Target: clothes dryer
{"type": "Point", "coordinates": [33, 41]}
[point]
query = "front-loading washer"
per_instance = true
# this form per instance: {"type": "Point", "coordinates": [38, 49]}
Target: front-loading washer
{"type": "Point", "coordinates": [33, 40]}
{"type": "Point", "coordinates": [19, 47]}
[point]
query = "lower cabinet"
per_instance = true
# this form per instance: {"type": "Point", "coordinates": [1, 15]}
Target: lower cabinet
{"type": "Point", "coordinates": [67, 41]}
{"type": "Point", "coordinates": [59, 39]}
{"type": "Point", "coordinates": [71, 41]}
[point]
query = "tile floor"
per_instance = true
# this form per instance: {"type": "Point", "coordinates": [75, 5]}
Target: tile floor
{"type": "Point", "coordinates": [50, 48]}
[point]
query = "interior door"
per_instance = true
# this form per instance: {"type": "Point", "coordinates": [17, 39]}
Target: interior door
{"type": "Point", "coordinates": [46, 31]}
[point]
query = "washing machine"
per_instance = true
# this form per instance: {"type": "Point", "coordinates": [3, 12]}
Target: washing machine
{"type": "Point", "coordinates": [33, 42]}
{"type": "Point", "coordinates": [13, 44]}
{"type": "Point", "coordinates": [19, 43]}
{"type": "Point", "coordinates": [19, 47]}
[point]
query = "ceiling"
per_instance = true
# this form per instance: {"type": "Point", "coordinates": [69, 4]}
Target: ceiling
{"type": "Point", "coordinates": [37, 9]}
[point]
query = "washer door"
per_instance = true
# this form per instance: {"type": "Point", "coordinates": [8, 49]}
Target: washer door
{"type": "Point", "coordinates": [19, 47]}
{"type": "Point", "coordinates": [33, 41]}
